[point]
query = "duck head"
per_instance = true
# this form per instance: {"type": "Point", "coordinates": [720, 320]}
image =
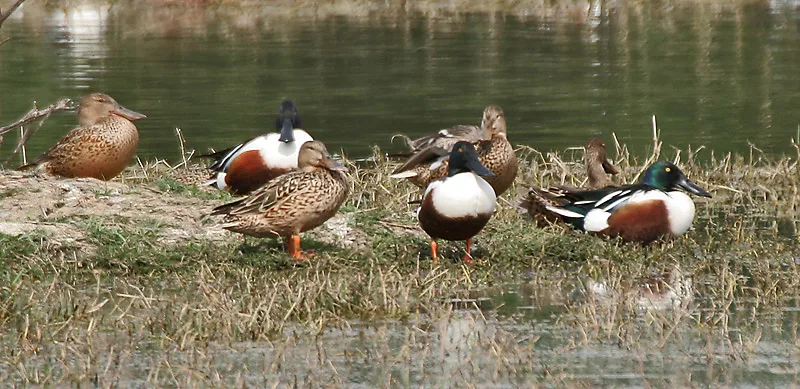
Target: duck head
{"type": "Point", "coordinates": [100, 105]}
{"type": "Point", "coordinates": [666, 176]}
{"type": "Point", "coordinates": [313, 155]}
{"type": "Point", "coordinates": [494, 121]}
{"type": "Point", "coordinates": [596, 155]}
{"type": "Point", "coordinates": [464, 158]}
{"type": "Point", "coordinates": [288, 119]}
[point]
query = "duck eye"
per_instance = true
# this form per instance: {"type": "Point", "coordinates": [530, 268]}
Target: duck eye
{"type": "Point", "coordinates": [460, 149]}
{"type": "Point", "coordinates": [667, 170]}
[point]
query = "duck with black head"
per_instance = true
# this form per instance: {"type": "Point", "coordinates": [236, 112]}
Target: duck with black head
{"type": "Point", "coordinates": [249, 165]}
{"type": "Point", "coordinates": [458, 206]}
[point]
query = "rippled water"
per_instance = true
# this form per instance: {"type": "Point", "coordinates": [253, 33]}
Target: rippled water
{"type": "Point", "coordinates": [715, 75]}
{"type": "Point", "coordinates": [721, 75]}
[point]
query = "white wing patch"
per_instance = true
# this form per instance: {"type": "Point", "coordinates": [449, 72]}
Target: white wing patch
{"type": "Point", "coordinates": [596, 220]}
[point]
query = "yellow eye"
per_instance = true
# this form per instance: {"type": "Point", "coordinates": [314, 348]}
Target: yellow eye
{"type": "Point", "coordinates": [460, 149]}
{"type": "Point", "coordinates": [668, 170]}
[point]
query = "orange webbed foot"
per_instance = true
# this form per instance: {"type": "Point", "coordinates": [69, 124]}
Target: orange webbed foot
{"type": "Point", "coordinates": [434, 252]}
{"type": "Point", "coordinates": [296, 252]}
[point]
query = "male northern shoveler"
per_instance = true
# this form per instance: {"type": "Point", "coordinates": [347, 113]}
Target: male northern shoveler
{"type": "Point", "coordinates": [458, 206]}
{"type": "Point", "coordinates": [246, 167]}
{"type": "Point", "coordinates": [429, 162]}
{"type": "Point", "coordinates": [598, 167]}
{"type": "Point", "coordinates": [292, 203]}
{"type": "Point", "coordinates": [101, 146]}
{"type": "Point", "coordinates": [642, 212]}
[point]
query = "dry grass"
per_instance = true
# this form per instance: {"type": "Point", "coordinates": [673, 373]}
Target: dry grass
{"type": "Point", "coordinates": [122, 305]}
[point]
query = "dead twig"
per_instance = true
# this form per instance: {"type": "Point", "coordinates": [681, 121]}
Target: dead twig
{"type": "Point", "coordinates": [32, 115]}
{"type": "Point", "coordinates": [4, 16]}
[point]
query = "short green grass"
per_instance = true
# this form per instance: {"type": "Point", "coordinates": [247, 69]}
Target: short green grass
{"type": "Point", "coordinates": [72, 315]}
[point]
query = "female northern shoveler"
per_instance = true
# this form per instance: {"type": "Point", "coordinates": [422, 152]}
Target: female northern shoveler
{"type": "Point", "coordinates": [246, 167]}
{"type": "Point", "coordinates": [458, 206]}
{"type": "Point", "coordinates": [101, 146]}
{"type": "Point", "coordinates": [598, 167]}
{"type": "Point", "coordinates": [292, 203]}
{"type": "Point", "coordinates": [641, 212]}
{"type": "Point", "coordinates": [446, 138]}
{"type": "Point", "coordinates": [429, 163]}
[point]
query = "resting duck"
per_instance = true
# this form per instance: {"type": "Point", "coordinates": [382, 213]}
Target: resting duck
{"type": "Point", "coordinates": [101, 146]}
{"type": "Point", "coordinates": [598, 167]}
{"type": "Point", "coordinates": [292, 203]}
{"type": "Point", "coordinates": [459, 205]}
{"type": "Point", "coordinates": [446, 138]}
{"type": "Point", "coordinates": [429, 162]}
{"type": "Point", "coordinates": [246, 167]}
{"type": "Point", "coordinates": [643, 212]}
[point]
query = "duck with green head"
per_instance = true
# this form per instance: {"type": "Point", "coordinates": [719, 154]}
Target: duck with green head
{"type": "Point", "coordinates": [535, 200]}
{"type": "Point", "coordinates": [459, 205]}
{"type": "Point", "coordinates": [645, 212]}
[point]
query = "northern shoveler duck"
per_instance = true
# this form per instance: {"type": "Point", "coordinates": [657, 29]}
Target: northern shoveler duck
{"type": "Point", "coordinates": [101, 146]}
{"type": "Point", "coordinates": [643, 212]}
{"type": "Point", "coordinates": [429, 162]}
{"type": "Point", "coordinates": [598, 167]}
{"type": "Point", "coordinates": [446, 138]}
{"type": "Point", "coordinates": [459, 205]}
{"type": "Point", "coordinates": [246, 167]}
{"type": "Point", "coordinates": [292, 203]}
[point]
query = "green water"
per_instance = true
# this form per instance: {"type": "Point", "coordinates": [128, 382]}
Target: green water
{"type": "Point", "coordinates": [715, 75]}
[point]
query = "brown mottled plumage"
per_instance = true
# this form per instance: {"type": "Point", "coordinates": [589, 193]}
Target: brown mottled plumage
{"type": "Point", "coordinates": [598, 167]}
{"type": "Point", "coordinates": [496, 153]}
{"type": "Point", "coordinates": [292, 203]}
{"type": "Point", "coordinates": [100, 147]}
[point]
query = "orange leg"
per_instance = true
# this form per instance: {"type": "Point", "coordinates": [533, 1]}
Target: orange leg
{"type": "Point", "coordinates": [434, 251]}
{"type": "Point", "coordinates": [295, 251]}
{"type": "Point", "coordinates": [467, 258]}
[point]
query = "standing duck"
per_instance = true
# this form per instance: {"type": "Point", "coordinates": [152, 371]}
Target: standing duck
{"type": "Point", "coordinates": [598, 167]}
{"type": "Point", "coordinates": [246, 167]}
{"type": "Point", "coordinates": [458, 206]}
{"type": "Point", "coordinates": [429, 162]}
{"type": "Point", "coordinates": [644, 212]}
{"type": "Point", "coordinates": [101, 146]}
{"type": "Point", "coordinates": [292, 203]}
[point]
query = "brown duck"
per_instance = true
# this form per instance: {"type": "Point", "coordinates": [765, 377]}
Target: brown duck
{"type": "Point", "coordinates": [101, 146]}
{"type": "Point", "coordinates": [292, 203]}
{"type": "Point", "coordinates": [430, 161]}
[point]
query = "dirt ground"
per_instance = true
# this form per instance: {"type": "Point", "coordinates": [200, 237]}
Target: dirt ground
{"type": "Point", "coordinates": [33, 202]}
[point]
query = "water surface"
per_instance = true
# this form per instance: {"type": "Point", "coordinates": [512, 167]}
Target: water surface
{"type": "Point", "coordinates": [715, 75]}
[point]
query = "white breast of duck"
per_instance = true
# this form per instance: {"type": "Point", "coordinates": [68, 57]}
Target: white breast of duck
{"type": "Point", "coordinates": [463, 195]}
{"type": "Point", "coordinates": [277, 154]}
{"type": "Point", "coordinates": [680, 210]}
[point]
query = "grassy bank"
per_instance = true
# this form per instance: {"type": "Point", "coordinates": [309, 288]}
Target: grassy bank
{"type": "Point", "coordinates": [130, 282]}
